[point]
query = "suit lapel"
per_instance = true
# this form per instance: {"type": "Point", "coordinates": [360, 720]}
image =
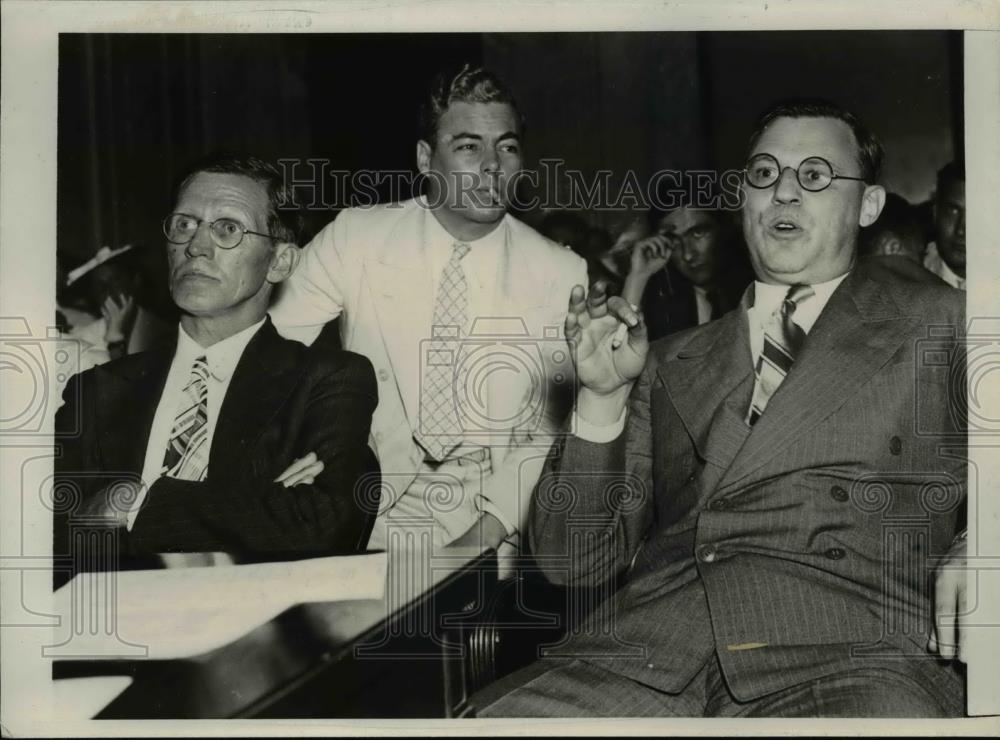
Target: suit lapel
{"type": "Point", "coordinates": [858, 331]}
{"type": "Point", "coordinates": [127, 407]}
{"type": "Point", "coordinates": [399, 278]}
{"type": "Point", "coordinates": [263, 379]}
{"type": "Point", "coordinates": [709, 384]}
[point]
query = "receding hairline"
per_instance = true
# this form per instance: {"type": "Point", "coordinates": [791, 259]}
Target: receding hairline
{"type": "Point", "coordinates": [844, 125]}
{"type": "Point", "coordinates": [262, 184]}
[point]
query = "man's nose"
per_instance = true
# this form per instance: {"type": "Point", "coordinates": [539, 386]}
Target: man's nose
{"type": "Point", "coordinates": [687, 249]}
{"type": "Point", "coordinates": [201, 244]}
{"type": "Point", "coordinates": [491, 162]}
{"type": "Point", "coordinates": [787, 189]}
{"type": "Point", "coordinates": [960, 224]}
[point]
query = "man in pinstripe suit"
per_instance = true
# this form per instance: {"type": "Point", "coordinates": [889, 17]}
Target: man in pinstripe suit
{"type": "Point", "coordinates": [774, 488]}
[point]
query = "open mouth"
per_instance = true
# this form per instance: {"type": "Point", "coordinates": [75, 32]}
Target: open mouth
{"type": "Point", "coordinates": [784, 226]}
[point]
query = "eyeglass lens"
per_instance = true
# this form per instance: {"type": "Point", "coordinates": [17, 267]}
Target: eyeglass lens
{"type": "Point", "coordinates": [814, 173]}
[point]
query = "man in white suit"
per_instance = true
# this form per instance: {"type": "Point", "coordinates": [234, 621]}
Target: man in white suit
{"type": "Point", "coordinates": [459, 306]}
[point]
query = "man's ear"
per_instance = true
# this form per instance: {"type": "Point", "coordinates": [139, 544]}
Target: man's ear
{"type": "Point", "coordinates": [424, 151]}
{"type": "Point", "coordinates": [872, 201]}
{"type": "Point", "coordinates": [283, 262]}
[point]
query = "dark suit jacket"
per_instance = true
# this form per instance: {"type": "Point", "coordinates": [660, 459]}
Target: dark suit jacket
{"type": "Point", "coordinates": [789, 549]}
{"type": "Point", "coordinates": [901, 268]}
{"type": "Point", "coordinates": [284, 400]}
{"type": "Point", "coordinates": [669, 304]}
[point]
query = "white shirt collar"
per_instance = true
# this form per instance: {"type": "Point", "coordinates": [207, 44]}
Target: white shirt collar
{"type": "Point", "coordinates": [934, 263]}
{"type": "Point", "coordinates": [768, 298]}
{"type": "Point", "coordinates": [222, 357]}
{"type": "Point", "coordinates": [436, 237]}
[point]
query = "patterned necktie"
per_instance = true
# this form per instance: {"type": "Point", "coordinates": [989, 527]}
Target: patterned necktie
{"type": "Point", "coordinates": [186, 457]}
{"type": "Point", "coordinates": [439, 426]}
{"type": "Point", "coordinates": [783, 340]}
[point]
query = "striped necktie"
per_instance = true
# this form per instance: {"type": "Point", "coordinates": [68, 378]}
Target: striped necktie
{"type": "Point", "coordinates": [439, 426]}
{"type": "Point", "coordinates": [783, 340]}
{"type": "Point", "coordinates": [186, 457]}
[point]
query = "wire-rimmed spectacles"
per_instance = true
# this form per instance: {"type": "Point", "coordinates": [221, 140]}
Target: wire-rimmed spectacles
{"type": "Point", "coordinates": [813, 173]}
{"type": "Point", "coordinates": [227, 233]}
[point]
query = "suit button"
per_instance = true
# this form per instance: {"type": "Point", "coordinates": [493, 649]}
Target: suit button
{"type": "Point", "coordinates": [383, 374]}
{"type": "Point", "coordinates": [835, 553]}
{"type": "Point", "coordinates": [706, 553]}
{"type": "Point", "coordinates": [719, 504]}
{"type": "Point", "coordinates": [838, 493]}
{"type": "Point", "coordinates": [895, 445]}
{"type": "Point", "coordinates": [692, 477]}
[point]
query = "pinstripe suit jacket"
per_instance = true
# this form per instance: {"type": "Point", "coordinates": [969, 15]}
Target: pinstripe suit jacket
{"type": "Point", "coordinates": [796, 549]}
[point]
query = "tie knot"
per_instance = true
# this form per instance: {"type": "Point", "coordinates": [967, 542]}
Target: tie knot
{"type": "Point", "coordinates": [200, 367]}
{"type": "Point", "coordinates": [795, 295]}
{"type": "Point", "coordinates": [460, 249]}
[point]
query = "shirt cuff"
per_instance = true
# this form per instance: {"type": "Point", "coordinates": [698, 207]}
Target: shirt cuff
{"type": "Point", "coordinates": [485, 506]}
{"type": "Point", "coordinates": [598, 433]}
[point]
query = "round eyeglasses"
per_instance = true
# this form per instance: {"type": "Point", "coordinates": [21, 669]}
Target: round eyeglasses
{"type": "Point", "coordinates": [180, 228]}
{"type": "Point", "coordinates": [813, 173]}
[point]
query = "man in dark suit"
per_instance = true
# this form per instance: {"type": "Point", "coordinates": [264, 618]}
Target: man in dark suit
{"type": "Point", "coordinates": [689, 271]}
{"type": "Point", "coordinates": [774, 488]}
{"type": "Point", "coordinates": [229, 439]}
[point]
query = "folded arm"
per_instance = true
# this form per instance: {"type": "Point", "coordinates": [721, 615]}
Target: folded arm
{"type": "Point", "coordinates": [250, 511]}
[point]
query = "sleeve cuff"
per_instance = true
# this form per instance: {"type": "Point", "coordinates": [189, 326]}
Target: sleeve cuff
{"type": "Point", "coordinates": [598, 433]}
{"type": "Point", "coordinates": [485, 506]}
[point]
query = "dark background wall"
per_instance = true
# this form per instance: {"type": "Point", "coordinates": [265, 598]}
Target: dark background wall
{"type": "Point", "coordinates": [135, 109]}
{"type": "Point", "coordinates": [905, 85]}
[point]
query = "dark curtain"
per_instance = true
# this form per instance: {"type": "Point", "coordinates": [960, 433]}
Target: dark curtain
{"type": "Point", "coordinates": [136, 109]}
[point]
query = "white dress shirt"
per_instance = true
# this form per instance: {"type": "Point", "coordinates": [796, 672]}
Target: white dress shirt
{"type": "Point", "coordinates": [222, 358]}
{"type": "Point", "coordinates": [703, 305]}
{"type": "Point", "coordinates": [482, 271]}
{"type": "Point", "coordinates": [934, 263]}
{"type": "Point", "coordinates": [481, 265]}
{"type": "Point", "coordinates": [767, 300]}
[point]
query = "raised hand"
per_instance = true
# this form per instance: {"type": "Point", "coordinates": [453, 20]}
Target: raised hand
{"type": "Point", "coordinates": [609, 340]}
{"type": "Point", "coordinates": [650, 254]}
{"type": "Point", "coordinates": [119, 313]}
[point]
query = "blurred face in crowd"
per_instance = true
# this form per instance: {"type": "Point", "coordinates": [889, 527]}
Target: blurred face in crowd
{"type": "Point", "coordinates": [231, 286]}
{"type": "Point", "coordinates": [472, 166]}
{"type": "Point", "coordinates": [697, 240]}
{"type": "Point", "coordinates": [112, 279]}
{"type": "Point", "coordinates": [900, 243]}
{"type": "Point", "coordinates": [798, 236]}
{"type": "Point", "coordinates": [949, 222]}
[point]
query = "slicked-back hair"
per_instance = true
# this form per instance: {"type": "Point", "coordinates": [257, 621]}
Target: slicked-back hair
{"type": "Point", "coordinates": [468, 85]}
{"type": "Point", "coordinates": [284, 219]}
{"type": "Point", "coordinates": [870, 152]}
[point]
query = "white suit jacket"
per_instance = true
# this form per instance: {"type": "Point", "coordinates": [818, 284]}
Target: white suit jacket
{"type": "Point", "coordinates": [369, 268]}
